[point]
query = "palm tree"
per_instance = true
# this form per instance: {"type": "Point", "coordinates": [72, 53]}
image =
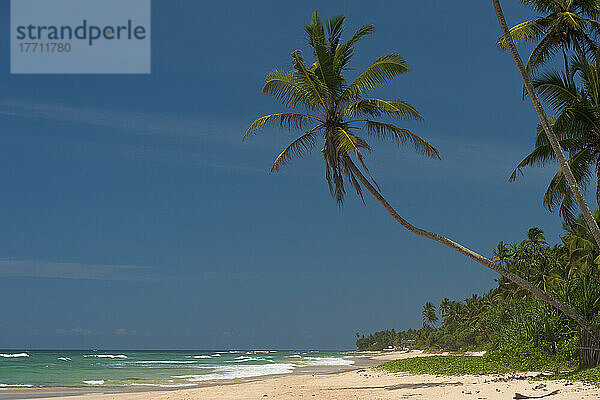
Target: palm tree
{"type": "Point", "coordinates": [323, 97]}
{"type": "Point", "coordinates": [501, 254]}
{"type": "Point", "coordinates": [566, 25]}
{"type": "Point", "coordinates": [445, 308]}
{"type": "Point", "coordinates": [337, 109]}
{"type": "Point", "coordinates": [429, 315]}
{"type": "Point", "coordinates": [552, 139]}
{"type": "Point", "coordinates": [577, 102]}
{"type": "Point", "coordinates": [584, 257]}
{"type": "Point", "coordinates": [536, 236]}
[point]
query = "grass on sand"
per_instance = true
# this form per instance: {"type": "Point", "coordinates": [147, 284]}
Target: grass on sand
{"type": "Point", "coordinates": [474, 365]}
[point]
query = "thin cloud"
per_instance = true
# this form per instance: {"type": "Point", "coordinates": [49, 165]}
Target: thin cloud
{"type": "Point", "coordinates": [124, 332]}
{"type": "Point", "coordinates": [74, 331]}
{"type": "Point", "coordinates": [63, 270]}
{"type": "Point", "coordinates": [37, 269]}
{"type": "Point", "coordinates": [140, 123]}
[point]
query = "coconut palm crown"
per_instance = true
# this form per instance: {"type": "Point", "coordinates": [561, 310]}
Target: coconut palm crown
{"type": "Point", "coordinates": [566, 24]}
{"type": "Point", "coordinates": [576, 99]}
{"type": "Point", "coordinates": [325, 106]}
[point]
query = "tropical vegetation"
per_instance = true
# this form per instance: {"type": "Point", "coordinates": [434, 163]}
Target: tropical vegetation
{"type": "Point", "coordinates": [517, 330]}
{"type": "Point", "coordinates": [545, 295]}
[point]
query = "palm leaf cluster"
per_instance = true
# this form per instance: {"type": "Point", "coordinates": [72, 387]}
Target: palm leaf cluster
{"type": "Point", "coordinates": [565, 25]}
{"type": "Point", "coordinates": [320, 102]}
{"type": "Point", "coordinates": [429, 314]}
{"type": "Point", "coordinates": [584, 255]}
{"type": "Point", "coordinates": [575, 97]}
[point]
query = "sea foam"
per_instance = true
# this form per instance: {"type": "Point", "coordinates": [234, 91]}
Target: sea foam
{"type": "Point", "coordinates": [105, 355]}
{"type": "Point", "coordinates": [240, 371]}
{"type": "Point", "coordinates": [164, 385]}
{"type": "Point", "coordinates": [4, 385]}
{"type": "Point", "coordinates": [165, 362]}
{"type": "Point", "coordinates": [98, 382]}
{"type": "Point", "coordinates": [14, 355]}
{"type": "Point", "coordinates": [244, 359]}
{"type": "Point", "coordinates": [324, 361]}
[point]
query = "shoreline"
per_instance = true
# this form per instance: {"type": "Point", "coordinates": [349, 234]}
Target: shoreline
{"type": "Point", "coordinates": [74, 392]}
{"type": "Point", "coordinates": [357, 381]}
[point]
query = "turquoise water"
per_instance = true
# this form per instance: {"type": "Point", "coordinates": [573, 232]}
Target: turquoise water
{"type": "Point", "coordinates": [151, 368]}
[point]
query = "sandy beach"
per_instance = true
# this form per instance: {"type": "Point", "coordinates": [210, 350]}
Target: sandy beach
{"type": "Point", "coordinates": [358, 382]}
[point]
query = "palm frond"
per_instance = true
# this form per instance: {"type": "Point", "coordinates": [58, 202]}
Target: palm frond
{"type": "Point", "coordinates": [542, 52]}
{"type": "Point", "coordinates": [309, 79]}
{"type": "Point", "coordinates": [401, 136]}
{"type": "Point", "coordinates": [570, 20]}
{"type": "Point", "coordinates": [284, 120]}
{"type": "Point", "coordinates": [557, 89]}
{"type": "Point", "coordinates": [528, 30]}
{"type": "Point", "coordinates": [594, 26]}
{"type": "Point", "coordinates": [376, 107]}
{"type": "Point", "coordinates": [541, 6]}
{"type": "Point", "coordinates": [287, 90]}
{"type": "Point", "coordinates": [315, 33]}
{"type": "Point", "coordinates": [542, 154]}
{"type": "Point", "coordinates": [298, 148]}
{"type": "Point", "coordinates": [346, 141]}
{"type": "Point", "coordinates": [345, 51]}
{"type": "Point", "coordinates": [385, 68]}
{"type": "Point", "coordinates": [558, 189]}
{"type": "Point", "coordinates": [335, 28]}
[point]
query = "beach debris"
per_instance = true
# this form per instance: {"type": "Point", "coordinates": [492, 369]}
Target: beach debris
{"type": "Point", "coordinates": [522, 396]}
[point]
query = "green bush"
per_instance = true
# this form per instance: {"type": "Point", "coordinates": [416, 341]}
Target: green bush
{"type": "Point", "coordinates": [444, 365]}
{"type": "Point", "coordinates": [528, 357]}
{"type": "Point", "coordinates": [586, 375]}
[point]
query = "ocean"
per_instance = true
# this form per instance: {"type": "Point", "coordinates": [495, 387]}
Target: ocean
{"type": "Point", "coordinates": [152, 368]}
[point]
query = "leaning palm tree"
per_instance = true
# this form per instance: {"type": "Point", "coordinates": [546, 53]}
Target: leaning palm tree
{"type": "Point", "coordinates": [550, 135]}
{"type": "Point", "coordinates": [566, 25]}
{"type": "Point", "coordinates": [330, 108]}
{"type": "Point", "coordinates": [576, 100]}
{"type": "Point", "coordinates": [552, 138]}
{"type": "Point", "coordinates": [338, 111]}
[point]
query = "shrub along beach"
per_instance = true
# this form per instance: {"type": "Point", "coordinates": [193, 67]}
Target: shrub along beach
{"type": "Point", "coordinates": [518, 331]}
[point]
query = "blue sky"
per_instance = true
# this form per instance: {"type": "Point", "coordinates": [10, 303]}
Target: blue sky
{"type": "Point", "coordinates": [133, 216]}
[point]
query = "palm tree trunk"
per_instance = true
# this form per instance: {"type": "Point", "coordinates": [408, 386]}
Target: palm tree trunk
{"type": "Point", "coordinates": [587, 214]}
{"type": "Point", "coordinates": [574, 315]}
{"type": "Point", "coordinates": [598, 183]}
{"type": "Point", "coordinates": [578, 49]}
